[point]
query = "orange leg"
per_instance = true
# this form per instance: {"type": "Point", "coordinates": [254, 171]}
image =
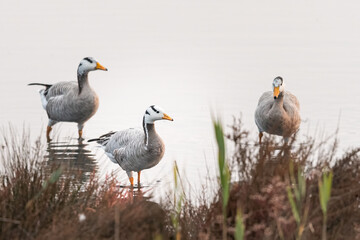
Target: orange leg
{"type": "Point", "coordinates": [80, 128]}
{"type": "Point", "coordinates": [131, 181]}
{"type": "Point", "coordinates": [260, 136]}
{"type": "Point", "coordinates": [80, 134]}
{"type": "Point", "coordinates": [139, 172]}
{"type": "Point", "coordinates": [48, 130]}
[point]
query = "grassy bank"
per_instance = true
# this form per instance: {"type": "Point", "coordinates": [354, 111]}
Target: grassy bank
{"type": "Point", "coordinates": [277, 192]}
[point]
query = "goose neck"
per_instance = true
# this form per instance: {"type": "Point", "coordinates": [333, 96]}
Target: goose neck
{"type": "Point", "coordinates": [83, 81]}
{"type": "Point", "coordinates": [280, 100]}
{"type": "Point", "coordinates": [149, 130]}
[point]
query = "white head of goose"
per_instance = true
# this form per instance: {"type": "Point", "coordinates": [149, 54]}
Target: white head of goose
{"type": "Point", "coordinates": [136, 149]}
{"type": "Point", "coordinates": [278, 87]}
{"type": "Point", "coordinates": [87, 65]}
{"type": "Point", "coordinates": [71, 101]}
{"type": "Point", "coordinates": [278, 112]}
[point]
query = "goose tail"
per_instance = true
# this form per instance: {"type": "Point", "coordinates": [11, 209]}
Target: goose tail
{"type": "Point", "coordinates": [47, 86]}
{"type": "Point", "coordinates": [43, 92]}
{"type": "Point", "coordinates": [103, 139]}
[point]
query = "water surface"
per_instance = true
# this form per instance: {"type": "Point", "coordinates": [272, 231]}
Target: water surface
{"type": "Point", "coordinates": [191, 58]}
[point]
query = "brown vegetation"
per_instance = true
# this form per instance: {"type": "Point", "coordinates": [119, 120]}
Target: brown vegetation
{"type": "Point", "coordinates": [261, 192]}
{"type": "Point", "coordinates": [41, 203]}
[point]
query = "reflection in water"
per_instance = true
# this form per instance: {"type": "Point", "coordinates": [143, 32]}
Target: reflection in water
{"type": "Point", "coordinates": [73, 157]}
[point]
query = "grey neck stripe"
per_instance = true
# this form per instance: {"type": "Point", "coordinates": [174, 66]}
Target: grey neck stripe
{"type": "Point", "coordinates": [82, 79]}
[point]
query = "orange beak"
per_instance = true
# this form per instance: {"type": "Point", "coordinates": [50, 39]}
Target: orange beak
{"type": "Point", "coordinates": [166, 117]}
{"type": "Point", "coordinates": [100, 67]}
{"type": "Point", "coordinates": [276, 92]}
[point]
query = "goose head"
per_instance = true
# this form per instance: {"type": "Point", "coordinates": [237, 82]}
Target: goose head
{"type": "Point", "coordinates": [89, 64]}
{"type": "Point", "coordinates": [278, 87]}
{"type": "Point", "coordinates": [154, 113]}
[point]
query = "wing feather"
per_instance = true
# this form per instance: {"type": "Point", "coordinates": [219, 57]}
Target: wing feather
{"type": "Point", "coordinates": [127, 147]}
{"type": "Point", "coordinates": [62, 88]}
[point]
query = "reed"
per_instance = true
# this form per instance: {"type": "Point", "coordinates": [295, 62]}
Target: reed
{"type": "Point", "coordinates": [178, 201]}
{"type": "Point", "coordinates": [299, 207]}
{"type": "Point", "coordinates": [224, 173]}
{"type": "Point", "coordinates": [325, 185]}
{"type": "Point", "coordinates": [239, 226]}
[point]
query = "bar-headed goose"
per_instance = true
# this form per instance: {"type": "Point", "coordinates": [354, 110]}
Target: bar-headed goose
{"type": "Point", "coordinates": [136, 149]}
{"type": "Point", "coordinates": [278, 112]}
{"type": "Point", "coordinates": [71, 101]}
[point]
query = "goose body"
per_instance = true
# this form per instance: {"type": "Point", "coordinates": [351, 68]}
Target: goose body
{"type": "Point", "coordinates": [71, 101]}
{"type": "Point", "coordinates": [63, 103]}
{"type": "Point", "coordinates": [136, 149]}
{"type": "Point", "coordinates": [278, 112]}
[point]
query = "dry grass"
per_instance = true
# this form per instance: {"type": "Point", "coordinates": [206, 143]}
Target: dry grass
{"type": "Point", "coordinates": [42, 202]}
{"type": "Point", "coordinates": [38, 201]}
{"type": "Point", "coordinates": [261, 193]}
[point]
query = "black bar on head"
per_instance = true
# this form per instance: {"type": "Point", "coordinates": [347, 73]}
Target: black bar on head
{"type": "Point", "coordinates": [88, 59]}
{"type": "Point", "coordinates": [153, 108]}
